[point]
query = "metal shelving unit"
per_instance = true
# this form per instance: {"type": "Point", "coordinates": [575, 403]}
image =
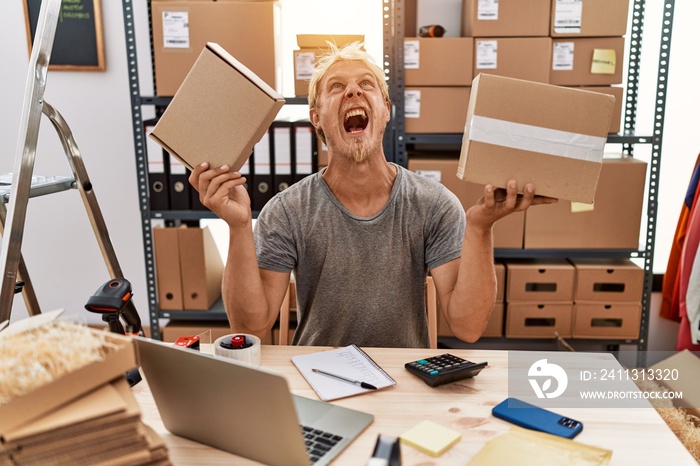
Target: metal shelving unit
{"type": "Point", "coordinates": [628, 139]}
{"type": "Point", "coordinates": [396, 141]}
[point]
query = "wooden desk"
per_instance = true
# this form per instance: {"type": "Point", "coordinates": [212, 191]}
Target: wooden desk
{"type": "Point", "coordinates": [637, 436]}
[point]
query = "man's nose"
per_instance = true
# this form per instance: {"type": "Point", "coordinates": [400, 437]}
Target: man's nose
{"type": "Point", "coordinates": [353, 90]}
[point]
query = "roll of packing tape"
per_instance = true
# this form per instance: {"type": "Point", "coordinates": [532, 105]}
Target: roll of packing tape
{"type": "Point", "coordinates": [240, 346]}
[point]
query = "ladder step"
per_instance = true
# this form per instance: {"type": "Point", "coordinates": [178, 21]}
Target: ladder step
{"type": "Point", "coordinates": [41, 185]}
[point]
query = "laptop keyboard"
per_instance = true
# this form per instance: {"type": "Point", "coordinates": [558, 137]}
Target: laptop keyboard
{"type": "Point", "coordinates": [318, 442]}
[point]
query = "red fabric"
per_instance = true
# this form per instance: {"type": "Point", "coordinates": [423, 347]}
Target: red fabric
{"type": "Point", "coordinates": [690, 248]}
{"type": "Point", "coordinates": [670, 291]}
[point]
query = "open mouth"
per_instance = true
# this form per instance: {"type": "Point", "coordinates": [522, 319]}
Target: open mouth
{"type": "Point", "coordinates": [355, 121]}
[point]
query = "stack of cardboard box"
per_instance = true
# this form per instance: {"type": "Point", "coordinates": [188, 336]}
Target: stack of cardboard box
{"type": "Point", "coordinates": [539, 297]}
{"type": "Point", "coordinates": [588, 47]}
{"type": "Point", "coordinates": [607, 299]}
{"type": "Point", "coordinates": [438, 75]}
{"type": "Point", "coordinates": [87, 415]}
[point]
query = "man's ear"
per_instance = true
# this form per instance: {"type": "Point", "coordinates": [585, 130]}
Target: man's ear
{"type": "Point", "coordinates": [314, 117]}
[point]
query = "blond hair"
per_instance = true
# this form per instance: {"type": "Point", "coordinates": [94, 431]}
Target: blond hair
{"type": "Point", "coordinates": [353, 51]}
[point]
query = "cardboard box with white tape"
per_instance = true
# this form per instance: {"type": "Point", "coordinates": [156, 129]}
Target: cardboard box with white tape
{"type": "Point", "coordinates": [536, 133]}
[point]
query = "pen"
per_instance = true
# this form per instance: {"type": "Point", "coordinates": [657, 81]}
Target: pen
{"type": "Point", "coordinates": [344, 379]}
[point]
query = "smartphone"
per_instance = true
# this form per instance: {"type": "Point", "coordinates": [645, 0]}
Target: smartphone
{"type": "Point", "coordinates": [533, 417]}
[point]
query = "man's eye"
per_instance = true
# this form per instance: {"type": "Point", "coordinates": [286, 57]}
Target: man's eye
{"type": "Point", "coordinates": [336, 86]}
{"type": "Point", "coordinates": [366, 83]}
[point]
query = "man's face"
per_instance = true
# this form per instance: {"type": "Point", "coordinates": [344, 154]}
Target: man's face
{"type": "Point", "coordinates": [351, 111]}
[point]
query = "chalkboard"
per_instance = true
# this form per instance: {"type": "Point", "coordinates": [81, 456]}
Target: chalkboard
{"type": "Point", "coordinates": [78, 44]}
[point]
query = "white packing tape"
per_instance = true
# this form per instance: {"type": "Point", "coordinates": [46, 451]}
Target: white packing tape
{"type": "Point", "coordinates": [249, 353]}
{"type": "Point", "coordinates": [536, 139]}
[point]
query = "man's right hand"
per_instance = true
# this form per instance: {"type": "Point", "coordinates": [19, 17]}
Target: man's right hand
{"type": "Point", "coordinates": [222, 192]}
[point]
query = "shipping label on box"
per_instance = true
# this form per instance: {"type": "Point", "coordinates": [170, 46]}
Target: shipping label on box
{"type": "Point", "coordinates": [221, 110]}
{"type": "Point", "coordinates": [536, 133]}
{"type": "Point", "coordinates": [589, 18]}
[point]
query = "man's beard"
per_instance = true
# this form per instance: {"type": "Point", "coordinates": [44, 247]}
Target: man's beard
{"type": "Point", "coordinates": [359, 150]}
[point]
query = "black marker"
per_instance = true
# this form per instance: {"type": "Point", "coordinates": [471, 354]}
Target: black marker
{"type": "Point", "coordinates": [344, 379]}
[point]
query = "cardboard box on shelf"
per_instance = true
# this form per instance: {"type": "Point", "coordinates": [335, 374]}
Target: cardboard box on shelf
{"type": "Point", "coordinates": [618, 94]}
{"type": "Point", "coordinates": [505, 18]}
{"type": "Point", "coordinates": [436, 109]}
{"type": "Point", "coordinates": [601, 320]}
{"type": "Point", "coordinates": [168, 279]}
{"type": "Point", "coordinates": [248, 30]}
{"type": "Point", "coordinates": [525, 58]}
{"type": "Point", "coordinates": [613, 223]}
{"type": "Point", "coordinates": [607, 280]}
{"type": "Point", "coordinates": [201, 267]}
{"type": "Point", "coordinates": [311, 46]}
{"type": "Point", "coordinates": [591, 61]}
{"type": "Point", "coordinates": [507, 232]}
{"type": "Point", "coordinates": [219, 95]}
{"type": "Point", "coordinates": [443, 61]}
{"type": "Point", "coordinates": [541, 281]}
{"type": "Point", "coordinates": [589, 18]}
{"type": "Point", "coordinates": [523, 130]}
{"type": "Point", "coordinates": [23, 409]}
{"type": "Point", "coordinates": [538, 320]}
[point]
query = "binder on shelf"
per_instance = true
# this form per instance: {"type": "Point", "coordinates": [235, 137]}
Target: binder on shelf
{"type": "Point", "coordinates": [168, 277]}
{"type": "Point", "coordinates": [179, 186]}
{"type": "Point", "coordinates": [305, 153]}
{"type": "Point", "coordinates": [283, 156]}
{"type": "Point", "coordinates": [262, 173]}
{"type": "Point", "coordinates": [158, 192]}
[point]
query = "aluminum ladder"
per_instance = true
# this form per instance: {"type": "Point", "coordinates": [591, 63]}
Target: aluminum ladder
{"type": "Point", "coordinates": [24, 185]}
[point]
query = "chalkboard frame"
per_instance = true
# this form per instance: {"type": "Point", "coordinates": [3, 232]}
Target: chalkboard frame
{"type": "Point", "coordinates": [97, 40]}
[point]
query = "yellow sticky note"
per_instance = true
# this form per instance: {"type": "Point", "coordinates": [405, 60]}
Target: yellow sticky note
{"type": "Point", "coordinates": [604, 61]}
{"type": "Point", "coordinates": [430, 438]}
{"type": "Point", "coordinates": [578, 207]}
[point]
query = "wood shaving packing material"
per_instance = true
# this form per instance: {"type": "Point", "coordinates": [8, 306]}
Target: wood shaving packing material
{"type": "Point", "coordinates": [41, 355]}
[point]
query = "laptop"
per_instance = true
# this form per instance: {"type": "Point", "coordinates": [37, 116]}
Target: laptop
{"type": "Point", "coordinates": [242, 409]}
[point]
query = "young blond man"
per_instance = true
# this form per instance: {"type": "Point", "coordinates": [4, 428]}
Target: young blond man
{"type": "Point", "coordinates": [360, 235]}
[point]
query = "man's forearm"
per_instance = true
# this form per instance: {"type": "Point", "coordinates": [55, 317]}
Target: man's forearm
{"type": "Point", "coordinates": [474, 293]}
{"type": "Point", "coordinates": [242, 288]}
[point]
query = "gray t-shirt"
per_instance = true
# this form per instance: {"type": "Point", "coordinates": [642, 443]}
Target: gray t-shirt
{"type": "Point", "coordinates": [361, 279]}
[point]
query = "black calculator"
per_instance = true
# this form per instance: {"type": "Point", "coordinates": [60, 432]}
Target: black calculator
{"type": "Point", "coordinates": [446, 368]}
